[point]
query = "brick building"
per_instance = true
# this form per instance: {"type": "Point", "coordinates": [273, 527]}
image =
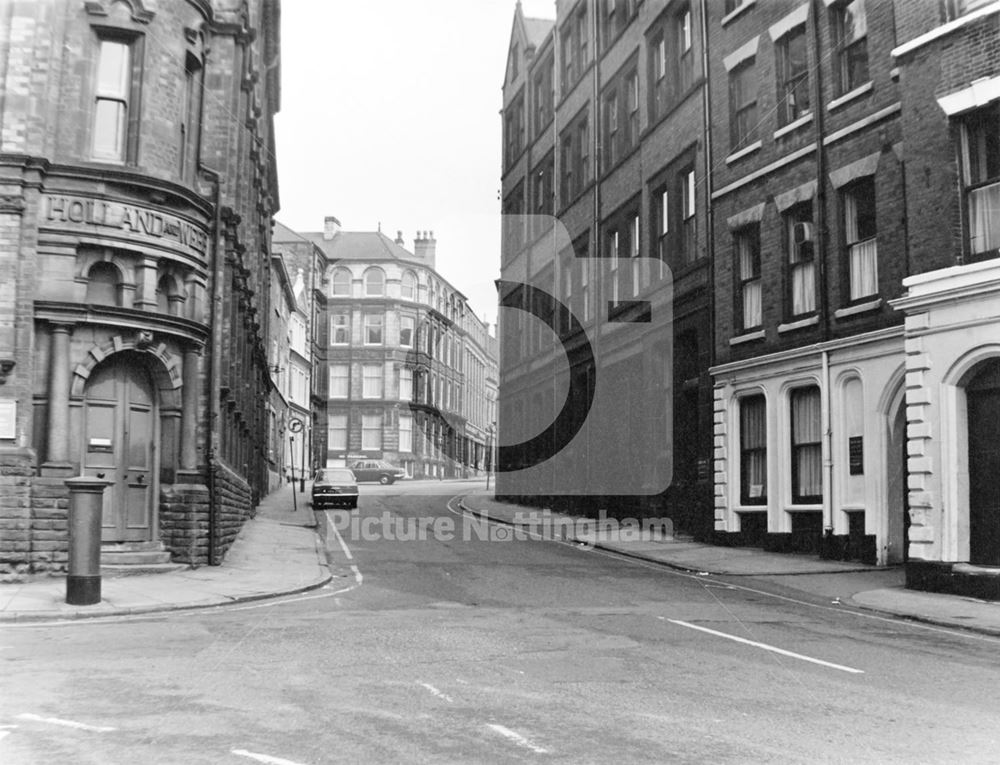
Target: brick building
{"type": "Point", "coordinates": [407, 371]}
{"type": "Point", "coordinates": [809, 222]}
{"type": "Point", "coordinates": [949, 79]}
{"type": "Point", "coordinates": [605, 208]}
{"type": "Point", "coordinates": [137, 183]}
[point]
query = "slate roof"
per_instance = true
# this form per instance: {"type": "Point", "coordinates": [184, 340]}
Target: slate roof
{"type": "Point", "coordinates": [359, 245]}
{"type": "Point", "coordinates": [537, 30]}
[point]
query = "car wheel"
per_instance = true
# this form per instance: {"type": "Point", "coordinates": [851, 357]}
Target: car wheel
{"type": "Point", "coordinates": [384, 480]}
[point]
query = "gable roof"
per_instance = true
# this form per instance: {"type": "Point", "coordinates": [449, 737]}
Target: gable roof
{"type": "Point", "coordinates": [281, 233]}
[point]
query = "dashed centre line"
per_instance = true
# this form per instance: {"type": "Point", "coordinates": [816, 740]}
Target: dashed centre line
{"type": "Point", "coordinates": [438, 693]}
{"type": "Point", "coordinates": [263, 757]}
{"type": "Point", "coordinates": [517, 738]}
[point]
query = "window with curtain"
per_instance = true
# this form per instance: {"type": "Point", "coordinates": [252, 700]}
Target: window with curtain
{"type": "Point", "coordinates": [340, 328]}
{"type": "Point", "coordinates": [638, 282]}
{"type": "Point", "coordinates": [980, 133]}
{"type": "Point", "coordinates": [337, 430]}
{"type": "Point", "coordinates": [406, 324]}
{"type": "Point", "coordinates": [807, 448]}
{"type": "Point", "coordinates": [749, 308]}
{"type": "Point", "coordinates": [753, 450]}
{"type": "Point", "coordinates": [860, 231]}
{"type": "Point", "coordinates": [850, 25]}
{"type": "Point", "coordinates": [373, 328]}
{"type": "Point", "coordinates": [802, 269]}
{"type": "Point", "coordinates": [340, 380]}
{"type": "Point", "coordinates": [371, 432]}
{"type": "Point", "coordinates": [793, 76]}
{"type": "Point", "coordinates": [372, 381]}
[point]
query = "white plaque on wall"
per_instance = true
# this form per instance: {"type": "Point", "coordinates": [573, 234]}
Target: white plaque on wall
{"type": "Point", "coordinates": [8, 418]}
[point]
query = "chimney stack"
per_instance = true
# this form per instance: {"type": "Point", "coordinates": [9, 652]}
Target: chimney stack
{"type": "Point", "coordinates": [424, 247]}
{"type": "Point", "coordinates": [330, 227]}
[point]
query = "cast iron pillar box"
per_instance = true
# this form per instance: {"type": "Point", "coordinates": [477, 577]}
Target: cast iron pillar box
{"type": "Point", "coordinates": [86, 504]}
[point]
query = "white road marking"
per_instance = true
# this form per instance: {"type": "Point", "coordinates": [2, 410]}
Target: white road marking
{"type": "Point", "coordinates": [517, 738]}
{"type": "Point", "coordinates": [438, 693]}
{"type": "Point", "coordinates": [65, 723]}
{"type": "Point", "coordinates": [263, 757]}
{"type": "Point", "coordinates": [767, 647]}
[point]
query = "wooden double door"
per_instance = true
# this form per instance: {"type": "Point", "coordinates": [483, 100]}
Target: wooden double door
{"type": "Point", "coordinates": [119, 444]}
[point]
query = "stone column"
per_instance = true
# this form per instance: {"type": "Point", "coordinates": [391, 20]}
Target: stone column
{"type": "Point", "coordinates": [189, 411]}
{"type": "Point", "coordinates": [145, 277]}
{"type": "Point", "coordinates": [59, 382]}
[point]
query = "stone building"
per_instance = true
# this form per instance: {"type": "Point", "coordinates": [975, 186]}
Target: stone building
{"type": "Point", "coordinates": [605, 208]}
{"type": "Point", "coordinates": [137, 183]}
{"type": "Point", "coordinates": [409, 371]}
{"type": "Point", "coordinates": [294, 373]}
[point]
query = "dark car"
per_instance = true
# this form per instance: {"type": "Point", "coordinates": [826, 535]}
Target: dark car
{"type": "Point", "coordinates": [334, 487]}
{"type": "Point", "coordinates": [377, 470]}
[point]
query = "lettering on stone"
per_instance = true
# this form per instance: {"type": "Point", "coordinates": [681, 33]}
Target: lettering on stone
{"type": "Point", "coordinates": [133, 219]}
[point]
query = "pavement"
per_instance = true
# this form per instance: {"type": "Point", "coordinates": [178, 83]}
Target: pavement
{"type": "Point", "coordinates": [279, 552]}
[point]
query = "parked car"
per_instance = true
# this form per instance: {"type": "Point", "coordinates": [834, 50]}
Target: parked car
{"type": "Point", "coordinates": [334, 487]}
{"type": "Point", "coordinates": [377, 470]}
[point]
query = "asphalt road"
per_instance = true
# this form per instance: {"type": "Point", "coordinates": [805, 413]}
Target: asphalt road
{"type": "Point", "coordinates": [442, 646]}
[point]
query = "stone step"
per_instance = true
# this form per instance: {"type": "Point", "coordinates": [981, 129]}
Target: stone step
{"type": "Point", "coordinates": [147, 558]}
{"type": "Point", "coordinates": [114, 571]}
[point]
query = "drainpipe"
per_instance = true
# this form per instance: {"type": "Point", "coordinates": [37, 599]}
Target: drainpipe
{"type": "Point", "coordinates": [709, 208]}
{"type": "Point", "coordinates": [820, 214]}
{"type": "Point", "coordinates": [214, 368]}
{"type": "Point", "coordinates": [827, 446]}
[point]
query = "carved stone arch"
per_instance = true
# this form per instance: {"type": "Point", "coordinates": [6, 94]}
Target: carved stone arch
{"type": "Point", "coordinates": [166, 370]}
{"type": "Point", "coordinates": [103, 8]}
{"type": "Point", "coordinates": [88, 255]}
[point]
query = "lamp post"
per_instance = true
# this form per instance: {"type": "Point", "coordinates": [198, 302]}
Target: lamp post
{"type": "Point", "coordinates": [291, 463]}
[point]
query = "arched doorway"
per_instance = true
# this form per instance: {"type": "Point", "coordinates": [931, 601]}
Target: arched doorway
{"type": "Point", "coordinates": [897, 507]}
{"type": "Point", "coordinates": [983, 413]}
{"type": "Point", "coordinates": [119, 444]}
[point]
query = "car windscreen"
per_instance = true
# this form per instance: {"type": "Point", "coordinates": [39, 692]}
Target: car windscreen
{"type": "Point", "coordinates": [342, 475]}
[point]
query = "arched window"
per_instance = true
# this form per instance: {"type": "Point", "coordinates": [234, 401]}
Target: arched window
{"type": "Point", "coordinates": [374, 282]}
{"type": "Point", "coordinates": [341, 282]}
{"type": "Point", "coordinates": [409, 285]}
{"type": "Point", "coordinates": [102, 284]}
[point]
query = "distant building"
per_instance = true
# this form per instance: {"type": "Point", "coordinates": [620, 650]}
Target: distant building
{"type": "Point", "coordinates": [299, 452]}
{"type": "Point", "coordinates": [135, 271]}
{"type": "Point", "coordinates": [410, 371]}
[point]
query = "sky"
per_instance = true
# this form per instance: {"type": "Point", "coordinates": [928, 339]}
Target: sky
{"type": "Point", "coordinates": [390, 116]}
